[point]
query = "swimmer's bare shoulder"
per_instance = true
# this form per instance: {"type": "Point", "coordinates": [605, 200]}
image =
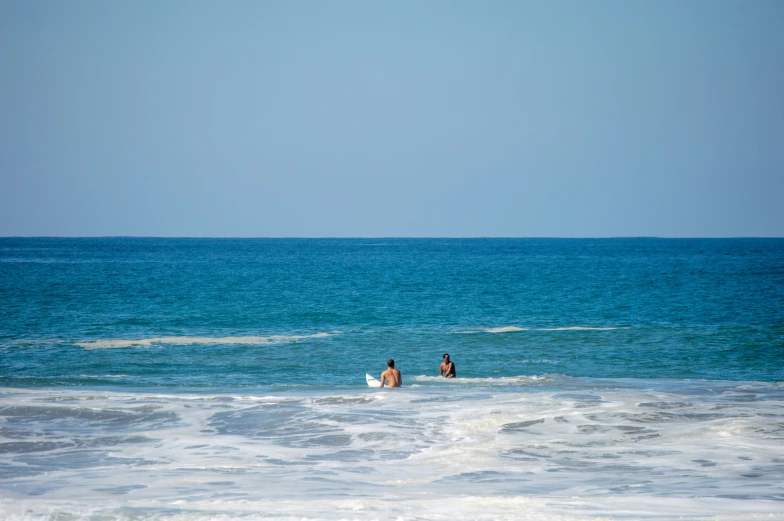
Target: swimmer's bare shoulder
{"type": "Point", "coordinates": [392, 377]}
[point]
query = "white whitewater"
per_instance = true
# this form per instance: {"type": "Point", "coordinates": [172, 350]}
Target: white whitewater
{"type": "Point", "coordinates": [586, 449]}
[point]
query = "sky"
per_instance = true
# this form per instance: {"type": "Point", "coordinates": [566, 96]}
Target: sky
{"type": "Point", "coordinates": [392, 118]}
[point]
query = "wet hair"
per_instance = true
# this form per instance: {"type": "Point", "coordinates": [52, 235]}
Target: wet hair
{"type": "Point", "coordinates": [446, 355]}
{"type": "Point", "coordinates": [391, 363]}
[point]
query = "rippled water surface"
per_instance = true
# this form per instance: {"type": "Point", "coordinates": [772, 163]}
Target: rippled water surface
{"type": "Point", "coordinates": [212, 379]}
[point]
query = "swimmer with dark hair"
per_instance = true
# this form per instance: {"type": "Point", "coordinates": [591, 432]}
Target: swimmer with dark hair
{"type": "Point", "coordinates": [447, 369]}
{"type": "Point", "coordinates": [391, 376]}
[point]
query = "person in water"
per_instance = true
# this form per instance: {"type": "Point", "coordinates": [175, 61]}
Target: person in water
{"type": "Point", "coordinates": [391, 376]}
{"type": "Point", "coordinates": [447, 369]}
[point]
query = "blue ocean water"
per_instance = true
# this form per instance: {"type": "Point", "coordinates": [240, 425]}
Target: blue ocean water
{"type": "Point", "coordinates": [325, 311]}
{"type": "Point", "coordinates": [211, 379]}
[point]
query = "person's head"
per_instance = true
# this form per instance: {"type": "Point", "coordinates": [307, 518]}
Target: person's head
{"type": "Point", "coordinates": [446, 357]}
{"type": "Point", "coordinates": [391, 363]}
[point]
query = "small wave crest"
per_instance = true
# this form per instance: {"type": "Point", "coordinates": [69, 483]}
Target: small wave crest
{"type": "Point", "coordinates": [578, 328]}
{"type": "Point", "coordinates": [512, 329]}
{"type": "Point", "coordinates": [501, 380]}
{"type": "Point", "coordinates": [192, 340]}
{"type": "Point", "coordinates": [506, 329]}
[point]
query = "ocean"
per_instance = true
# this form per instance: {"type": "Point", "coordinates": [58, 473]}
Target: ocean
{"type": "Point", "coordinates": [196, 379]}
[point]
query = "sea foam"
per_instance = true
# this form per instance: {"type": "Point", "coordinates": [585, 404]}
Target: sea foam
{"type": "Point", "coordinates": [506, 329]}
{"type": "Point", "coordinates": [510, 329]}
{"type": "Point", "coordinates": [193, 340]}
{"type": "Point", "coordinates": [584, 449]}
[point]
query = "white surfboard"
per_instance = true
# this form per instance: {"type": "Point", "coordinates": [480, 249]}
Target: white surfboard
{"type": "Point", "coordinates": [372, 382]}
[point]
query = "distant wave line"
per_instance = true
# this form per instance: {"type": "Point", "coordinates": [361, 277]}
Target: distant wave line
{"type": "Point", "coordinates": [512, 329]}
{"type": "Point", "coordinates": [579, 328]}
{"type": "Point", "coordinates": [190, 340]}
{"type": "Point", "coordinates": [499, 380]}
{"type": "Point", "coordinates": [505, 329]}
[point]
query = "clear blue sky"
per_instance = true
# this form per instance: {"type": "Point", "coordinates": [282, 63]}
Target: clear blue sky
{"type": "Point", "coordinates": [397, 118]}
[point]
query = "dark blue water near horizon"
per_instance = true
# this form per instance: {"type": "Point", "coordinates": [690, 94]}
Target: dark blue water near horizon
{"type": "Point", "coordinates": [239, 313]}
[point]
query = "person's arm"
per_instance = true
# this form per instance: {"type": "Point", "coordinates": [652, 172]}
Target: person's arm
{"type": "Point", "coordinates": [441, 370]}
{"type": "Point", "coordinates": [448, 370]}
{"type": "Point", "coordinates": [382, 379]}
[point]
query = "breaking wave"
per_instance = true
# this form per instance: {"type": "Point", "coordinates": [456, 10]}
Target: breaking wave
{"type": "Point", "coordinates": [513, 329]}
{"type": "Point", "coordinates": [194, 340]}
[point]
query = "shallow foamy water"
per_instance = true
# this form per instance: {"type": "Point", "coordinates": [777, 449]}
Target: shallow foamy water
{"type": "Point", "coordinates": [545, 447]}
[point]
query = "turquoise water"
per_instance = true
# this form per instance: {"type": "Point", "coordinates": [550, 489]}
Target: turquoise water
{"type": "Point", "coordinates": [201, 379]}
{"type": "Point", "coordinates": [333, 309]}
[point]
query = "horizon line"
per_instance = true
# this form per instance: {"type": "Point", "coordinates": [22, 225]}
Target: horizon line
{"type": "Point", "coordinates": [372, 237]}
